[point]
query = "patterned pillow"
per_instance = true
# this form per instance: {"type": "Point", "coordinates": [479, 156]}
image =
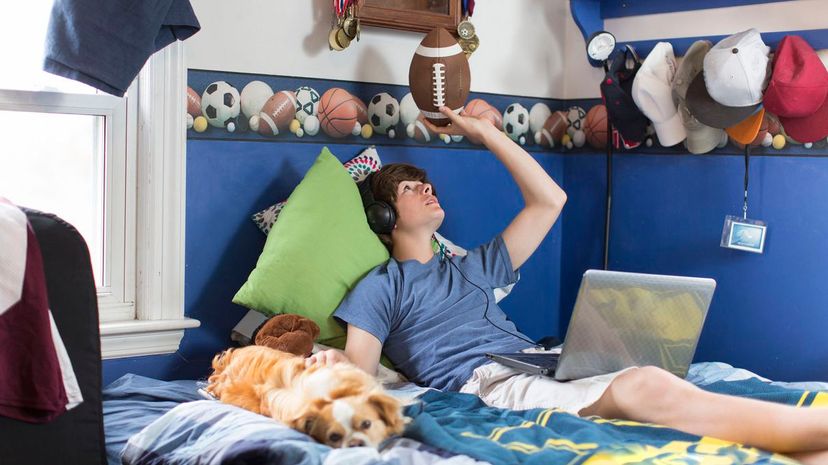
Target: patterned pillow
{"type": "Point", "coordinates": [358, 167]}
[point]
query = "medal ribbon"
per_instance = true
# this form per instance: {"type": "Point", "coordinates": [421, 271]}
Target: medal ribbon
{"type": "Point", "coordinates": [468, 7]}
{"type": "Point", "coordinates": [340, 6]}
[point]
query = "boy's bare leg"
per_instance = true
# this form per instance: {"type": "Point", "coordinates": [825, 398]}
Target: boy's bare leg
{"type": "Point", "coordinates": [652, 395]}
{"type": "Point", "coordinates": [810, 458]}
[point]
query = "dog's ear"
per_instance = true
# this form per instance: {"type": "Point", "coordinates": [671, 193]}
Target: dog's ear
{"type": "Point", "coordinates": [306, 421]}
{"type": "Point", "coordinates": [347, 387]}
{"type": "Point", "coordinates": [389, 411]}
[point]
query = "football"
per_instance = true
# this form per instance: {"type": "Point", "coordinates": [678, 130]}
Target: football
{"type": "Point", "coordinates": [439, 76]}
{"type": "Point", "coordinates": [220, 103]}
{"type": "Point", "coordinates": [277, 113]}
{"type": "Point", "coordinates": [418, 131]}
{"type": "Point", "coordinates": [516, 122]}
{"type": "Point", "coordinates": [193, 103]}
{"type": "Point", "coordinates": [552, 131]}
{"type": "Point", "coordinates": [361, 110]}
{"type": "Point", "coordinates": [384, 113]}
{"type": "Point", "coordinates": [307, 102]}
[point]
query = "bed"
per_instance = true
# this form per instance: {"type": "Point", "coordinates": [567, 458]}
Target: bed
{"type": "Point", "coordinates": [168, 422]}
{"type": "Point", "coordinates": [149, 421]}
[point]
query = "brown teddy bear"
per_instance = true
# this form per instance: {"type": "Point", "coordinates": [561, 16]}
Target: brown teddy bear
{"type": "Point", "coordinates": [288, 333]}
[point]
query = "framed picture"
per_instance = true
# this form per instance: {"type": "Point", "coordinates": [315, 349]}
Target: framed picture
{"type": "Point", "coordinates": [411, 15]}
{"type": "Point", "coordinates": [744, 234]}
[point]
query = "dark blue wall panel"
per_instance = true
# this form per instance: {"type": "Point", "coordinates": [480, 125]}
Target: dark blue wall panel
{"type": "Point", "coordinates": [768, 313]}
{"type": "Point", "coordinates": [227, 181]}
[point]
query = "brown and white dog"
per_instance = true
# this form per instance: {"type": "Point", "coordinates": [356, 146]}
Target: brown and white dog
{"type": "Point", "coordinates": [339, 405]}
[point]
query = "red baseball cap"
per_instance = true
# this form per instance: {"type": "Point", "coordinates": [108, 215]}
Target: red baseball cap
{"type": "Point", "coordinates": [798, 90]}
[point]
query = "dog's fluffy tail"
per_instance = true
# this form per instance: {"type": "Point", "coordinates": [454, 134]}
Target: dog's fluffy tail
{"type": "Point", "coordinates": [220, 362]}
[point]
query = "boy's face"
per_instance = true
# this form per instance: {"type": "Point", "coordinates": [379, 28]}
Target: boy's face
{"type": "Point", "coordinates": [417, 206]}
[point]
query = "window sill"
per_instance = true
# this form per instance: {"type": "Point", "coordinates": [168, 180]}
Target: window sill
{"type": "Point", "coordinates": [149, 337]}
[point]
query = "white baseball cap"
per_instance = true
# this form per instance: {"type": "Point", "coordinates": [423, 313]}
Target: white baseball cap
{"type": "Point", "coordinates": [736, 69]}
{"type": "Point", "coordinates": [652, 92]}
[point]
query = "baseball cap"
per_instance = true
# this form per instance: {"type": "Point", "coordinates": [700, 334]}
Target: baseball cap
{"type": "Point", "coordinates": [653, 93]}
{"type": "Point", "coordinates": [700, 137]}
{"type": "Point", "coordinates": [616, 87]}
{"type": "Point", "coordinates": [746, 130]}
{"type": "Point", "coordinates": [730, 87]}
{"type": "Point", "coordinates": [798, 90]}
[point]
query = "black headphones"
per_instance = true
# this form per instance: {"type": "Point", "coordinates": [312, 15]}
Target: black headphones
{"type": "Point", "coordinates": [381, 216]}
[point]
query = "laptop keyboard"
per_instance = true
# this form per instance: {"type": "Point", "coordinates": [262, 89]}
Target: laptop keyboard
{"type": "Point", "coordinates": [544, 360]}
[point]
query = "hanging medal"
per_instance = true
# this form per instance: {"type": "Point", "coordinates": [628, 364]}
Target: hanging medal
{"type": "Point", "coordinates": [351, 22]}
{"type": "Point", "coordinates": [741, 232]}
{"type": "Point", "coordinates": [344, 20]}
{"type": "Point", "coordinates": [468, 40]}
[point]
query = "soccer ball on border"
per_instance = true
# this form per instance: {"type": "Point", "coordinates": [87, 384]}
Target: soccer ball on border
{"type": "Point", "coordinates": [384, 113]}
{"type": "Point", "coordinates": [220, 104]}
{"type": "Point", "coordinates": [515, 121]}
{"type": "Point", "coordinates": [307, 102]}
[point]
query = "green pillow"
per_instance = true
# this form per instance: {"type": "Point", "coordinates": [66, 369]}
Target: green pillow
{"type": "Point", "coordinates": [317, 251]}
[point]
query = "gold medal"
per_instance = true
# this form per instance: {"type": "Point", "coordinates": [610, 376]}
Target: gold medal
{"type": "Point", "coordinates": [332, 42]}
{"type": "Point", "coordinates": [351, 23]}
{"type": "Point", "coordinates": [350, 27]}
{"type": "Point", "coordinates": [342, 39]}
{"type": "Point", "coordinates": [469, 46]}
{"type": "Point", "coordinates": [465, 29]}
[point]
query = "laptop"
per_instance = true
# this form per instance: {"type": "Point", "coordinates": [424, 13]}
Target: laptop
{"type": "Point", "coordinates": [623, 320]}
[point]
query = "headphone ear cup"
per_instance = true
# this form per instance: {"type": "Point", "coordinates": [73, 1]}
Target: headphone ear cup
{"type": "Point", "coordinates": [381, 217]}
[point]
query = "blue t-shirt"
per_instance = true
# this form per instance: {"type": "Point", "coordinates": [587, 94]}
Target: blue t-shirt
{"type": "Point", "coordinates": [430, 319]}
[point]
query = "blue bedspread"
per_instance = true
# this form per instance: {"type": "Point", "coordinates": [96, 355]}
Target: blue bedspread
{"type": "Point", "coordinates": [462, 423]}
{"type": "Point", "coordinates": [157, 422]}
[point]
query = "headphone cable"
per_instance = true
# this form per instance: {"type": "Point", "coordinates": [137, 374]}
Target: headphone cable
{"type": "Point", "coordinates": [486, 295]}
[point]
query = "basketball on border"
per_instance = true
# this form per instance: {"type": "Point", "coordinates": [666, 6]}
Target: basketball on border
{"type": "Point", "coordinates": [337, 113]}
{"type": "Point", "coordinates": [595, 127]}
{"type": "Point", "coordinates": [483, 109]}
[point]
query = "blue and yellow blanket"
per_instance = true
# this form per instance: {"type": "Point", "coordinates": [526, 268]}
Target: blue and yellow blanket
{"type": "Point", "coordinates": [158, 423]}
{"type": "Point", "coordinates": [461, 423]}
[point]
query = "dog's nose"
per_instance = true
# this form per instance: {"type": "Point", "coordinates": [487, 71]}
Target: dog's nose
{"type": "Point", "coordinates": [356, 443]}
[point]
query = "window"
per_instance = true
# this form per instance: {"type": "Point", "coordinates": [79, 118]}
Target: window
{"type": "Point", "coordinates": [114, 168]}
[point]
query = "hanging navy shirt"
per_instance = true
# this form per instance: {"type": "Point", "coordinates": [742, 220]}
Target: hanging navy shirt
{"type": "Point", "coordinates": [105, 43]}
{"type": "Point", "coordinates": [430, 318]}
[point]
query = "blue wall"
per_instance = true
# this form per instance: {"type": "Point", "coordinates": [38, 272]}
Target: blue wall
{"type": "Point", "coordinates": [228, 180]}
{"type": "Point", "coordinates": [668, 211]}
{"type": "Point", "coordinates": [768, 313]}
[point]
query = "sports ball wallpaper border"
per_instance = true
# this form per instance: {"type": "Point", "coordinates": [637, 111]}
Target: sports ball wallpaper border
{"type": "Point", "coordinates": [264, 108]}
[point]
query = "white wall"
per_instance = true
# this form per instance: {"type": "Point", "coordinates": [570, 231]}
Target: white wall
{"type": "Point", "coordinates": [581, 80]}
{"type": "Point", "coordinates": [522, 44]}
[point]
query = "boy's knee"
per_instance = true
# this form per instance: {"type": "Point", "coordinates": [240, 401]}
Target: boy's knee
{"type": "Point", "coordinates": [646, 388]}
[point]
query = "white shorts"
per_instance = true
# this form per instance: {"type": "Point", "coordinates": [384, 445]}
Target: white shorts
{"type": "Point", "coordinates": [503, 387]}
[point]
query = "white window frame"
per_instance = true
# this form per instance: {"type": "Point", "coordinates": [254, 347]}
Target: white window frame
{"type": "Point", "coordinates": [141, 306]}
{"type": "Point", "coordinates": [160, 174]}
